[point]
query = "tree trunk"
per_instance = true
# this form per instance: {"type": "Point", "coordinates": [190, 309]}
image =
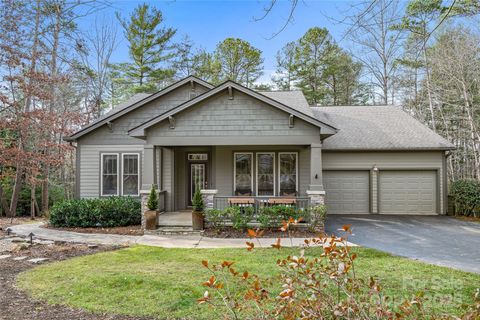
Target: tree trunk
{"type": "Point", "coordinates": [4, 202]}
{"type": "Point", "coordinates": [32, 202]}
{"type": "Point", "coordinates": [16, 191]}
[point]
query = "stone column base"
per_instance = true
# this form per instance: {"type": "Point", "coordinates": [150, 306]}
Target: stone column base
{"type": "Point", "coordinates": [316, 197]}
{"type": "Point", "coordinates": [143, 200]}
{"type": "Point", "coordinates": [317, 219]}
{"type": "Point", "coordinates": [208, 196]}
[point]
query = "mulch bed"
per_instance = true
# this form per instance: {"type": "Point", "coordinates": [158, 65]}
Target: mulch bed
{"type": "Point", "coordinates": [17, 305]}
{"type": "Point", "coordinates": [126, 231]}
{"type": "Point", "coordinates": [468, 218]}
{"type": "Point", "coordinates": [230, 233]}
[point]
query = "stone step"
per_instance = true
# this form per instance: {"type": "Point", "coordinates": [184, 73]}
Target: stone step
{"type": "Point", "coordinates": [175, 230]}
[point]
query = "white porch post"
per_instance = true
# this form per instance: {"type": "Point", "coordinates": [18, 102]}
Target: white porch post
{"type": "Point", "coordinates": [316, 191]}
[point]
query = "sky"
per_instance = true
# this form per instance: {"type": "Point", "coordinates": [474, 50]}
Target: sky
{"type": "Point", "coordinates": [209, 22]}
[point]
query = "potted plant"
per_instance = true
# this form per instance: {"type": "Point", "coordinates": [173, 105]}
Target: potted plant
{"type": "Point", "coordinates": [151, 213]}
{"type": "Point", "coordinates": [197, 213]}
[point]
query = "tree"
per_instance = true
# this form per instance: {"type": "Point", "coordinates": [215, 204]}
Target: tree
{"type": "Point", "coordinates": [313, 51]}
{"type": "Point", "coordinates": [239, 61]}
{"type": "Point", "coordinates": [377, 44]}
{"type": "Point", "coordinates": [286, 68]}
{"type": "Point", "coordinates": [95, 52]}
{"type": "Point", "coordinates": [342, 77]}
{"type": "Point", "coordinates": [149, 49]}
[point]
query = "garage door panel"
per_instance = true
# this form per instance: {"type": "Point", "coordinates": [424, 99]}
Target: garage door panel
{"type": "Point", "coordinates": [411, 192]}
{"type": "Point", "coordinates": [347, 191]}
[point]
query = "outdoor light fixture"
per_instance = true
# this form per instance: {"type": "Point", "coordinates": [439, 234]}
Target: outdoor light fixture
{"type": "Point", "coordinates": [31, 237]}
{"type": "Point", "coordinates": [8, 231]}
{"type": "Point", "coordinates": [316, 175]}
{"type": "Point", "coordinates": [375, 169]}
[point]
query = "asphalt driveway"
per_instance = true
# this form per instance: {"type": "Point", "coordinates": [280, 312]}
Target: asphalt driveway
{"type": "Point", "coordinates": [438, 240]}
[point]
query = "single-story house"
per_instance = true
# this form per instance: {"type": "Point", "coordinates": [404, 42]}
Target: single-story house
{"type": "Point", "coordinates": [232, 141]}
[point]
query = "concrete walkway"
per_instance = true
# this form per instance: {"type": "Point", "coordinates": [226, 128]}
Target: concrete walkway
{"type": "Point", "coordinates": [180, 241]}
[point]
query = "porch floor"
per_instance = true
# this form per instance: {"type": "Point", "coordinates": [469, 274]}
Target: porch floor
{"type": "Point", "coordinates": [181, 218]}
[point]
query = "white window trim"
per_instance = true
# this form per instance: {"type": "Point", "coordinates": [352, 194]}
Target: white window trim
{"type": "Point", "coordinates": [101, 174]}
{"type": "Point", "coordinates": [296, 171]}
{"type": "Point", "coordinates": [235, 170]}
{"type": "Point", "coordinates": [138, 173]}
{"type": "Point", "coordinates": [256, 175]}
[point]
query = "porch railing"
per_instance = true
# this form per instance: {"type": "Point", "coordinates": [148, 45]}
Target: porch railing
{"type": "Point", "coordinates": [162, 198]}
{"type": "Point", "coordinates": [222, 202]}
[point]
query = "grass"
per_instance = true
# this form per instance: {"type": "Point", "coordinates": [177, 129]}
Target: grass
{"type": "Point", "coordinates": [165, 283]}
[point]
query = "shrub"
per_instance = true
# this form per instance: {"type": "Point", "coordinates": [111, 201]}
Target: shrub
{"type": "Point", "coordinates": [322, 287]}
{"type": "Point", "coordinates": [318, 215]}
{"type": "Point", "coordinates": [466, 197]}
{"type": "Point", "coordinates": [152, 203]}
{"type": "Point", "coordinates": [197, 201]}
{"type": "Point", "coordinates": [268, 217]}
{"type": "Point", "coordinates": [215, 217]}
{"type": "Point", "coordinates": [105, 212]}
{"type": "Point", "coordinates": [240, 216]}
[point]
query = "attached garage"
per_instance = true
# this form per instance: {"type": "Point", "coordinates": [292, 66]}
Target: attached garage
{"type": "Point", "coordinates": [347, 191]}
{"type": "Point", "coordinates": [408, 192]}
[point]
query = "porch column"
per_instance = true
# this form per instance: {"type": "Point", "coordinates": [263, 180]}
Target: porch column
{"type": "Point", "coordinates": [316, 178]}
{"type": "Point", "coordinates": [148, 175]}
{"type": "Point", "coordinates": [148, 178]}
{"type": "Point", "coordinates": [315, 191]}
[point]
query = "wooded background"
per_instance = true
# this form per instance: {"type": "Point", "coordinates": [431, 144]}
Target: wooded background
{"type": "Point", "coordinates": [420, 55]}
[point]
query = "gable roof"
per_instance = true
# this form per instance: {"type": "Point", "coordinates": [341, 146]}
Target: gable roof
{"type": "Point", "coordinates": [139, 131]}
{"type": "Point", "coordinates": [134, 103]}
{"type": "Point", "coordinates": [378, 128]}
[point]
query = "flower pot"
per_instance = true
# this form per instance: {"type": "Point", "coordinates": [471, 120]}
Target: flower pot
{"type": "Point", "coordinates": [197, 220]}
{"type": "Point", "coordinates": [150, 220]}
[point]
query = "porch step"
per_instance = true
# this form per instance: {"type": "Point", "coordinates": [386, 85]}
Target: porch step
{"type": "Point", "coordinates": [176, 230]}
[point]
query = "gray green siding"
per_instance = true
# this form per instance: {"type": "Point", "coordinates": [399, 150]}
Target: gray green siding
{"type": "Point", "coordinates": [89, 173]}
{"type": "Point", "coordinates": [119, 132]}
{"type": "Point", "coordinates": [221, 121]}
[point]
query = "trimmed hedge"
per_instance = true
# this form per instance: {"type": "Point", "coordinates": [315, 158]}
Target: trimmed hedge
{"type": "Point", "coordinates": [104, 212]}
{"type": "Point", "coordinates": [466, 197]}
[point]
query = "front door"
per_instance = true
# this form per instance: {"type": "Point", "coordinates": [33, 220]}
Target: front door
{"type": "Point", "coordinates": [197, 178]}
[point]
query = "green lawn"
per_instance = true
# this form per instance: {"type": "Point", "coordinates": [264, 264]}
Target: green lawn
{"type": "Point", "coordinates": [166, 282]}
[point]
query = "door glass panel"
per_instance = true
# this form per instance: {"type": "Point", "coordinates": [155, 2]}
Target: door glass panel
{"type": "Point", "coordinates": [197, 176]}
{"type": "Point", "coordinates": [265, 174]}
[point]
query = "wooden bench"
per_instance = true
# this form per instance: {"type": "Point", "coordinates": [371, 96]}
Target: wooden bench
{"type": "Point", "coordinates": [282, 201]}
{"type": "Point", "coordinates": [241, 201]}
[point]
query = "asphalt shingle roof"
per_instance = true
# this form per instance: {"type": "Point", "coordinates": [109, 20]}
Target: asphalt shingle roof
{"type": "Point", "coordinates": [377, 128]}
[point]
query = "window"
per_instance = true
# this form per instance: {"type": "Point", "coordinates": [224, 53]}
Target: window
{"type": "Point", "coordinates": [109, 176]}
{"type": "Point", "coordinates": [287, 163]}
{"type": "Point", "coordinates": [266, 174]}
{"type": "Point", "coordinates": [130, 177]}
{"type": "Point", "coordinates": [243, 174]}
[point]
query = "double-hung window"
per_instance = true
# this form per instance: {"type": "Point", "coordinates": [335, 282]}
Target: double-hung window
{"type": "Point", "coordinates": [116, 179]}
{"type": "Point", "coordinates": [109, 174]}
{"type": "Point", "coordinates": [288, 173]}
{"type": "Point", "coordinates": [242, 173]}
{"type": "Point", "coordinates": [265, 173]}
{"type": "Point", "coordinates": [130, 176]}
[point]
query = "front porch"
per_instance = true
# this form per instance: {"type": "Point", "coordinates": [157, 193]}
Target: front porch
{"type": "Point", "coordinates": [254, 176]}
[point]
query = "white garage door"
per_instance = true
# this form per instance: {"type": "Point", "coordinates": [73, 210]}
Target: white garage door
{"type": "Point", "coordinates": [347, 191]}
{"type": "Point", "coordinates": [407, 192]}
